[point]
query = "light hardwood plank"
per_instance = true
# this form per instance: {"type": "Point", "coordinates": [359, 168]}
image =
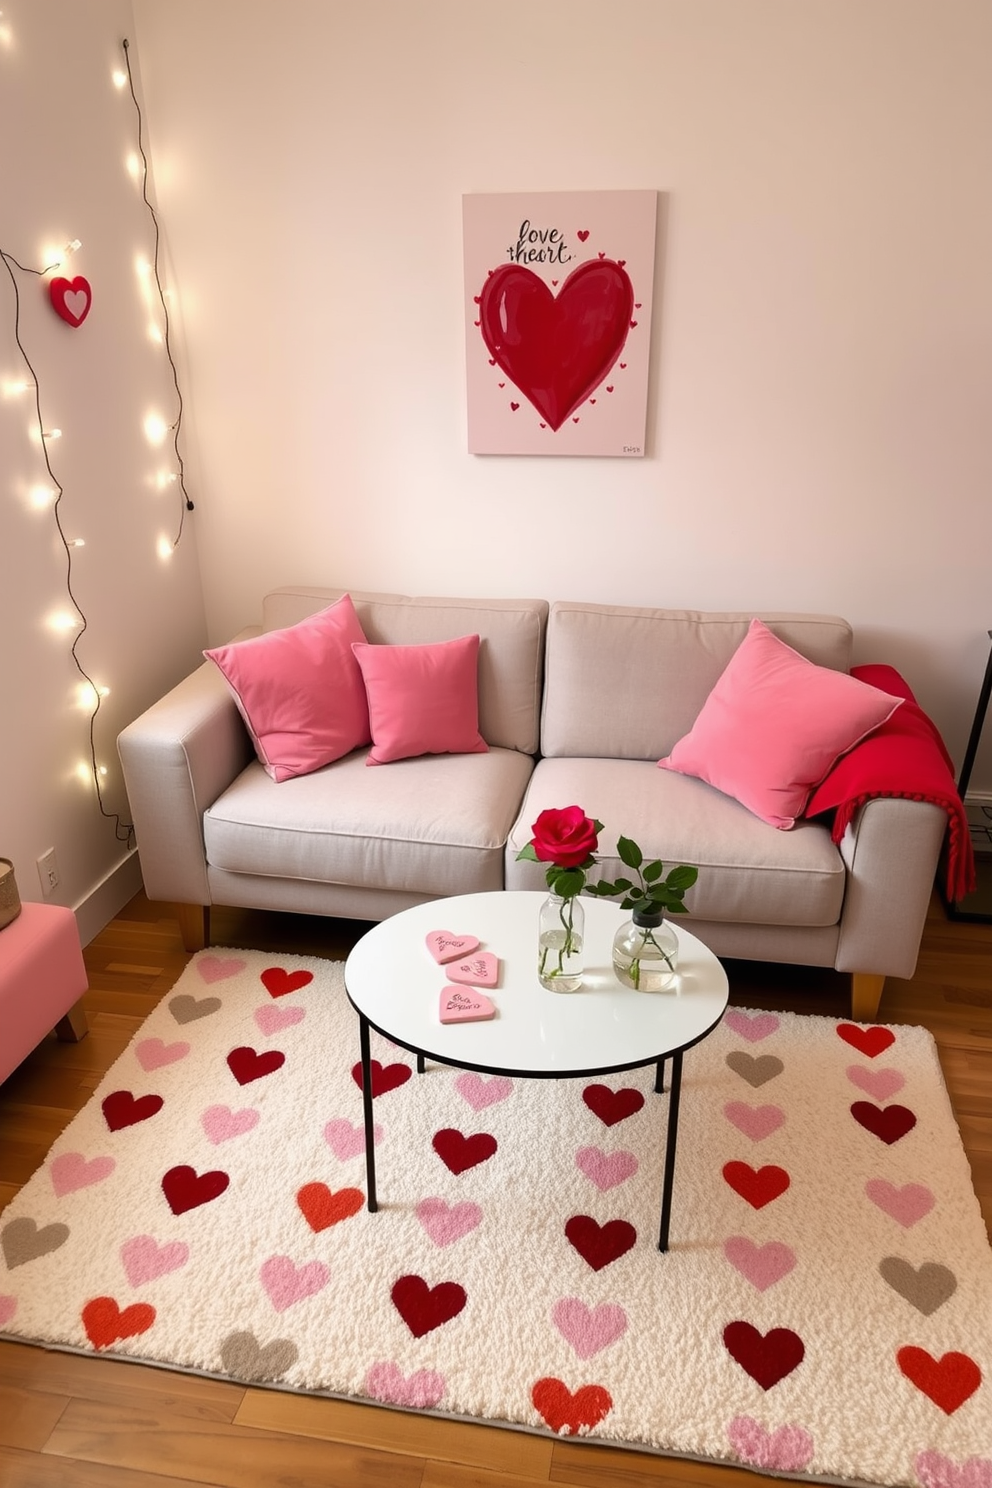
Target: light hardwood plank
{"type": "Point", "coordinates": [116, 1383]}
{"type": "Point", "coordinates": [26, 1419]}
{"type": "Point", "coordinates": [31, 1470]}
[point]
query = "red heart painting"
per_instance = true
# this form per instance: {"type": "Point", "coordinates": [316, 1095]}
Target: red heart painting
{"type": "Point", "coordinates": [768, 1357]}
{"type": "Point", "coordinates": [71, 298]}
{"type": "Point", "coordinates": [278, 982]}
{"type": "Point", "coordinates": [245, 1065]}
{"type": "Point", "coordinates": [385, 1078]}
{"type": "Point", "coordinates": [186, 1189]}
{"type": "Point", "coordinates": [612, 1106]}
{"type": "Point", "coordinates": [124, 1109]}
{"type": "Point", "coordinates": [759, 1186]}
{"type": "Point", "coordinates": [459, 1153]}
{"type": "Point", "coordinates": [598, 1244]}
{"type": "Point", "coordinates": [424, 1308]}
{"type": "Point", "coordinates": [870, 1041]}
{"type": "Point", "coordinates": [105, 1322]}
{"type": "Point", "coordinates": [556, 350]}
{"type": "Point", "coordinates": [321, 1207]}
{"type": "Point", "coordinates": [948, 1381]}
{"type": "Point", "coordinates": [567, 1413]}
{"type": "Point", "coordinates": [888, 1123]}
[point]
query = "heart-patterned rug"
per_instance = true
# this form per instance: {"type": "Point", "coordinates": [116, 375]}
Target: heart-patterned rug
{"type": "Point", "coordinates": [825, 1309]}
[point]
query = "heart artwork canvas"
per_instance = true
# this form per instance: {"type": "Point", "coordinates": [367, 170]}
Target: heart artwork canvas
{"type": "Point", "coordinates": [558, 289]}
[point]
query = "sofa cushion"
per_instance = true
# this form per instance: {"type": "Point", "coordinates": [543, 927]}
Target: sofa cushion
{"type": "Point", "coordinates": [434, 825]}
{"type": "Point", "coordinates": [748, 871]}
{"type": "Point", "coordinates": [774, 725]}
{"type": "Point", "coordinates": [300, 690]}
{"type": "Point", "coordinates": [422, 699]}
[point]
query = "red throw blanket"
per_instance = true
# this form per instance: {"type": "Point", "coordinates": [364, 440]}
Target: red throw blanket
{"type": "Point", "coordinates": [904, 757]}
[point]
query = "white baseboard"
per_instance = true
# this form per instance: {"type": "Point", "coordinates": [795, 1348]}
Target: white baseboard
{"type": "Point", "coordinates": [980, 798]}
{"type": "Point", "coordinates": [109, 897]}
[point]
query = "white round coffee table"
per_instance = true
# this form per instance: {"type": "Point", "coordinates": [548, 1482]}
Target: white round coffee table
{"type": "Point", "coordinates": [394, 984]}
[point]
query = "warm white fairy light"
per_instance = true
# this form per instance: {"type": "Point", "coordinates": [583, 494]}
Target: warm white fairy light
{"type": "Point", "coordinates": [155, 428]}
{"type": "Point", "coordinates": [119, 78]}
{"type": "Point", "coordinates": [51, 433]}
{"type": "Point", "coordinates": [133, 164]}
{"type": "Point", "coordinates": [42, 497]}
{"type": "Point", "coordinates": [13, 387]}
{"type": "Point", "coordinates": [62, 621]}
{"type": "Point", "coordinates": [164, 548]}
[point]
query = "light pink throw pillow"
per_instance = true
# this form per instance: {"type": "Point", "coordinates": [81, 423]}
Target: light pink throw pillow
{"type": "Point", "coordinates": [774, 725]}
{"type": "Point", "coordinates": [300, 690]}
{"type": "Point", "coordinates": [422, 699]}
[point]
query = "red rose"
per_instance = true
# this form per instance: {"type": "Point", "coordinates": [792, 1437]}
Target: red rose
{"type": "Point", "coordinates": [564, 836]}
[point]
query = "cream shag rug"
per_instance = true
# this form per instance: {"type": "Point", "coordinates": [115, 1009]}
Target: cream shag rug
{"type": "Point", "coordinates": [825, 1310]}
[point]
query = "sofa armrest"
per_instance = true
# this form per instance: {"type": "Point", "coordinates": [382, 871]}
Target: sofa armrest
{"type": "Point", "coordinates": [890, 850]}
{"type": "Point", "coordinates": [177, 757]}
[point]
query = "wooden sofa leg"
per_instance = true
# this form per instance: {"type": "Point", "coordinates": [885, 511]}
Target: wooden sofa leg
{"type": "Point", "coordinates": [866, 994]}
{"type": "Point", "coordinates": [74, 1025]}
{"type": "Point", "coordinates": [194, 925]}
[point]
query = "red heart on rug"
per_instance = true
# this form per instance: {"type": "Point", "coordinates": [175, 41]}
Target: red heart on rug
{"type": "Point", "coordinates": [383, 1079]}
{"type": "Point", "coordinates": [758, 1185]}
{"type": "Point", "coordinates": [423, 1307]}
{"type": "Point", "coordinates": [948, 1381]}
{"type": "Point", "coordinates": [598, 1244]}
{"type": "Point", "coordinates": [556, 350]}
{"type": "Point", "coordinates": [768, 1357]}
{"type": "Point", "coordinates": [870, 1041]}
{"type": "Point", "coordinates": [566, 1413]}
{"type": "Point", "coordinates": [612, 1106]}
{"type": "Point", "coordinates": [186, 1189]}
{"type": "Point", "coordinates": [888, 1123]}
{"type": "Point", "coordinates": [459, 1153]}
{"type": "Point", "coordinates": [71, 298]}
{"type": "Point", "coordinates": [124, 1109]}
{"type": "Point", "coordinates": [279, 983]}
{"type": "Point", "coordinates": [105, 1322]}
{"type": "Point", "coordinates": [321, 1207]}
{"type": "Point", "coordinates": [245, 1065]}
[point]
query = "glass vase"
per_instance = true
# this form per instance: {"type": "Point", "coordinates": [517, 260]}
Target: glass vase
{"type": "Point", "coordinates": [560, 939]}
{"type": "Point", "coordinates": [646, 952]}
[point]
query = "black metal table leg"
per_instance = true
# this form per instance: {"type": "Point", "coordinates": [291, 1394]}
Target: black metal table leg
{"type": "Point", "coordinates": [421, 1064]}
{"type": "Point", "coordinates": [672, 1138]}
{"type": "Point", "coordinates": [659, 1078]}
{"type": "Point", "coordinates": [363, 1034]}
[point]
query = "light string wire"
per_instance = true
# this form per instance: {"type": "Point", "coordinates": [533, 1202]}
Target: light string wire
{"type": "Point", "coordinates": [124, 831]}
{"type": "Point", "coordinates": [186, 504]}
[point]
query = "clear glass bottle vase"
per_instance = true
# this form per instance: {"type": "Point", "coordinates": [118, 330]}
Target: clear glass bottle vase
{"type": "Point", "coordinates": [561, 935]}
{"type": "Point", "coordinates": [646, 952]}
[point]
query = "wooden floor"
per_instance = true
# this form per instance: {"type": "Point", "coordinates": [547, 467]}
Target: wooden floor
{"type": "Point", "coordinates": [69, 1421]}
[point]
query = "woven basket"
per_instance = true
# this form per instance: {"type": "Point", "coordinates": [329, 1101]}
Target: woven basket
{"type": "Point", "coordinates": [10, 901]}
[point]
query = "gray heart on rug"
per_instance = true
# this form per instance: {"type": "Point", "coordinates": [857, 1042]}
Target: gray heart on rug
{"type": "Point", "coordinates": [186, 1009]}
{"type": "Point", "coordinates": [23, 1241]}
{"type": "Point", "coordinates": [755, 1069]}
{"type": "Point", "coordinates": [243, 1356]}
{"type": "Point", "coordinates": [926, 1287]}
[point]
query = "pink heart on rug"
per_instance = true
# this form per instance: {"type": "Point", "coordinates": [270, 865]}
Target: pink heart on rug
{"type": "Point", "coordinates": [468, 1006]}
{"type": "Point", "coordinates": [213, 969]}
{"type": "Point", "coordinates": [421, 1390]}
{"type": "Point", "coordinates": [446, 1222]}
{"type": "Point", "coordinates": [787, 1449]}
{"type": "Point", "coordinates": [480, 970]}
{"type": "Point", "coordinates": [589, 1329]}
{"type": "Point", "coordinates": [605, 1169]}
{"type": "Point", "coordinates": [756, 1122]}
{"type": "Point", "coordinates": [346, 1140]}
{"type": "Point", "coordinates": [271, 1018]}
{"type": "Point", "coordinates": [480, 1092]}
{"type": "Point", "coordinates": [906, 1205]}
{"type": "Point", "coordinates": [936, 1471]}
{"type": "Point", "coordinates": [287, 1283]}
{"type": "Point", "coordinates": [221, 1123]}
{"type": "Point", "coordinates": [8, 1306]}
{"type": "Point", "coordinates": [752, 1026]}
{"type": "Point", "coordinates": [144, 1259]}
{"type": "Point", "coordinates": [881, 1084]}
{"type": "Point", "coordinates": [72, 1170]}
{"type": "Point", "coordinates": [445, 946]}
{"type": "Point", "coordinates": [763, 1265]}
{"type": "Point", "coordinates": [153, 1053]}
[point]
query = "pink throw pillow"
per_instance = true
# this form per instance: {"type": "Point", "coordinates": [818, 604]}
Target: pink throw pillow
{"type": "Point", "coordinates": [300, 690]}
{"type": "Point", "coordinates": [774, 725]}
{"type": "Point", "coordinates": [422, 699]}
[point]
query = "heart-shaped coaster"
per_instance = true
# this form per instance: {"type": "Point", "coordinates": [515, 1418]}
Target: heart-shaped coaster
{"type": "Point", "coordinates": [464, 1007]}
{"type": "Point", "coordinates": [480, 970]}
{"type": "Point", "coordinates": [444, 946]}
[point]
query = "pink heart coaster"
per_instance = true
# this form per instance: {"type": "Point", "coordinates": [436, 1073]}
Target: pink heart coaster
{"type": "Point", "coordinates": [444, 946]}
{"type": "Point", "coordinates": [480, 970]}
{"type": "Point", "coordinates": [464, 1007]}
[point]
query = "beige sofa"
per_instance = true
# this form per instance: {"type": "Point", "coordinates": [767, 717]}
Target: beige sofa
{"type": "Point", "coordinates": [577, 702]}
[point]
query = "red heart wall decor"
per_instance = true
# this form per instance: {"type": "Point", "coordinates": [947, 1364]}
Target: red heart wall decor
{"type": "Point", "coordinates": [71, 298]}
{"type": "Point", "coordinates": [557, 350]}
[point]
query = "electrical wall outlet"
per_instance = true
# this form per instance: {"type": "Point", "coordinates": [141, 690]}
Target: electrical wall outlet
{"type": "Point", "coordinates": [48, 872]}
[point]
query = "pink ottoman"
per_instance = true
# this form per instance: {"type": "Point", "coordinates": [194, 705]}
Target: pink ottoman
{"type": "Point", "coordinates": [42, 976]}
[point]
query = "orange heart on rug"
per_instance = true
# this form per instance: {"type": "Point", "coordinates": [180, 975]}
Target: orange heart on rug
{"type": "Point", "coordinates": [948, 1381]}
{"type": "Point", "coordinates": [612, 1106]}
{"type": "Point", "coordinates": [869, 1041]}
{"type": "Point", "coordinates": [105, 1322]}
{"type": "Point", "coordinates": [278, 982]}
{"type": "Point", "coordinates": [768, 1357]}
{"type": "Point", "coordinates": [321, 1207]}
{"type": "Point", "coordinates": [566, 1413]}
{"type": "Point", "coordinates": [384, 1078]}
{"type": "Point", "coordinates": [598, 1244]}
{"type": "Point", "coordinates": [424, 1308]}
{"type": "Point", "coordinates": [459, 1153]}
